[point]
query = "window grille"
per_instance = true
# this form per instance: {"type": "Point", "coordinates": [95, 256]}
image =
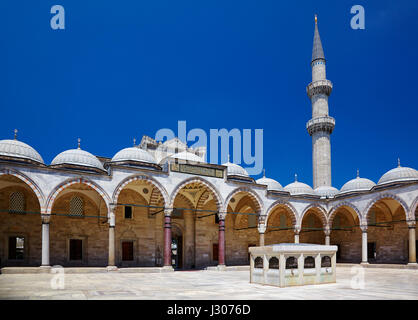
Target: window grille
{"type": "Point", "coordinates": [258, 263]}
{"type": "Point", "coordinates": [76, 206]}
{"type": "Point", "coordinates": [274, 263]}
{"type": "Point", "coordinates": [17, 202]}
{"type": "Point", "coordinates": [291, 263]}
{"type": "Point", "coordinates": [309, 263]}
{"type": "Point", "coordinates": [326, 262]}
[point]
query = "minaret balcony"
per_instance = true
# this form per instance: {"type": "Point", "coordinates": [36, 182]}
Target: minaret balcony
{"type": "Point", "coordinates": [318, 87]}
{"type": "Point", "coordinates": [326, 124]}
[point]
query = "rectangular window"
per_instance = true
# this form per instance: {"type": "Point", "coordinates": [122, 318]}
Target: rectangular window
{"type": "Point", "coordinates": [128, 212]}
{"type": "Point", "coordinates": [215, 251]}
{"type": "Point", "coordinates": [16, 248]}
{"type": "Point", "coordinates": [283, 222]}
{"type": "Point", "coordinates": [127, 251]}
{"type": "Point", "coordinates": [252, 220]}
{"type": "Point", "coordinates": [76, 249]}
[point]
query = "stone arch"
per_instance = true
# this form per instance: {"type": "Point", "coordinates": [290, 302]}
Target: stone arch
{"type": "Point", "coordinates": [210, 186]}
{"type": "Point", "coordinates": [321, 210]}
{"type": "Point", "coordinates": [386, 196]}
{"type": "Point", "coordinates": [252, 194]}
{"type": "Point", "coordinates": [130, 179]}
{"type": "Point", "coordinates": [414, 207]}
{"type": "Point", "coordinates": [334, 210]}
{"type": "Point", "coordinates": [63, 185]}
{"type": "Point", "coordinates": [290, 209]}
{"type": "Point", "coordinates": [202, 199]}
{"type": "Point", "coordinates": [32, 185]}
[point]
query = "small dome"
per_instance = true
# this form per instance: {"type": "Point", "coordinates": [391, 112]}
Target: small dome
{"type": "Point", "coordinates": [235, 170]}
{"type": "Point", "coordinates": [357, 184]}
{"type": "Point", "coordinates": [399, 174]}
{"type": "Point", "coordinates": [134, 154]}
{"type": "Point", "coordinates": [18, 149]}
{"type": "Point", "coordinates": [78, 157]}
{"type": "Point", "coordinates": [188, 156]}
{"type": "Point", "coordinates": [326, 191]}
{"type": "Point", "coordinates": [270, 183]}
{"type": "Point", "coordinates": [297, 187]}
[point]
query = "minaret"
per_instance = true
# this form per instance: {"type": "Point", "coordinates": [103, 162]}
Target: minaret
{"type": "Point", "coordinates": [321, 125]}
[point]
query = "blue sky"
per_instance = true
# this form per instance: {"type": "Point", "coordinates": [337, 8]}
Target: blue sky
{"type": "Point", "coordinates": [122, 69]}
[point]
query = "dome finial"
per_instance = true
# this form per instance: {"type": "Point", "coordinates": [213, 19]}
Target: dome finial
{"type": "Point", "coordinates": [229, 157]}
{"type": "Point", "coordinates": [134, 141]}
{"type": "Point", "coordinates": [296, 177]}
{"type": "Point", "coordinates": [358, 173]}
{"type": "Point", "coordinates": [78, 143]}
{"type": "Point", "coordinates": [399, 162]}
{"type": "Point", "coordinates": [15, 131]}
{"type": "Point", "coordinates": [316, 19]}
{"type": "Point", "coordinates": [264, 173]}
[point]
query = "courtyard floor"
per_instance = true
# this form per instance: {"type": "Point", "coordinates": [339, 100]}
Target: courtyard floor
{"type": "Point", "coordinates": [203, 285]}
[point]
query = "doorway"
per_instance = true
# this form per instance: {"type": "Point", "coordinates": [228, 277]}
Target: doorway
{"type": "Point", "coordinates": [176, 248]}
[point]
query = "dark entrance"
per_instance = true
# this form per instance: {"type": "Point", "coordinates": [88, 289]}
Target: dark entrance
{"type": "Point", "coordinates": [127, 251]}
{"type": "Point", "coordinates": [176, 248]}
{"type": "Point", "coordinates": [76, 249]}
{"type": "Point", "coordinates": [371, 251]}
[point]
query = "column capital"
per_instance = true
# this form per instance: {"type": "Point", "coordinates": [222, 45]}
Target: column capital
{"type": "Point", "coordinates": [297, 229]}
{"type": "Point", "coordinates": [262, 218]}
{"type": "Point", "coordinates": [112, 207]}
{"type": "Point", "coordinates": [168, 211]}
{"type": "Point", "coordinates": [45, 218]}
{"type": "Point", "coordinates": [411, 224]}
{"type": "Point", "coordinates": [261, 228]}
{"type": "Point", "coordinates": [327, 230]}
{"type": "Point", "coordinates": [221, 215]}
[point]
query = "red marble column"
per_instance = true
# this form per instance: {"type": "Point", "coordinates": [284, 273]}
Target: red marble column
{"type": "Point", "coordinates": [221, 242]}
{"type": "Point", "coordinates": [167, 240]}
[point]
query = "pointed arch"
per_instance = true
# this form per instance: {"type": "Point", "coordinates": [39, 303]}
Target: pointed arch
{"type": "Point", "coordinates": [217, 197]}
{"type": "Point", "coordinates": [334, 210]}
{"type": "Point", "coordinates": [320, 209]}
{"type": "Point", "coordinates": [291, 209]}
{"type": "Point", "coordinates": [28, 181]}
{"type": "Point", "coordinates": [69, 182]}
{"type": "Point", "coordinates": [414, 207]}
{"type": "Point", "coordinates": [252, 194]}
{"type": "Point", "coordinates": [387, 196]}
{"type": "Point", "coordinates": [142, 177]}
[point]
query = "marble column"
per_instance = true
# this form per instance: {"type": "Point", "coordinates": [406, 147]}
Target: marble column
{"type": "Point", "coordinates": [327, 236]}
{"type": "Point", "coordinates": [112, 223]}
{"type": "Point", "coordinates": [167, 238]}
{"type": "Point", "coordinates": [221, 241]}
{"type": "Point", "coordinates": [297, 235]}
{"type": "Point", "coordinates": [45, 240]}
{"type": "Point", "coordinates": [261, 231]}
{"type": "Point", "coordinates": [364, 259]}
{"type": "Point", "coordinates": [412, 245]}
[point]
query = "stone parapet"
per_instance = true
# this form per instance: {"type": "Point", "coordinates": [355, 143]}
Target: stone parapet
{"type": "Point", "coordinates": [325, 123]}
{"type": "Point", "coordinates": [319, 87]}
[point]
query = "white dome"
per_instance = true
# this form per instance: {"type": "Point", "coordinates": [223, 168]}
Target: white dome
{"type": "Point", "coordinates": [297, 187]}
{"type": "Point", "coordinates": [399, 174]}
{"type": "Point", "coordinates": [271, 184]}
{"type": "Point", "coordinates": [326, 191]}
{"type": "Point", "coordinates": [18, 149]}
{"type": "Point", "coordinates": [235, 170]}
{"type": "Point", "coordinates": [78, 157]}
{"type": "Point", "coordinates": [357, 184]}
{"type": "Point", "coordinates": [134, 154]}
{"type": "Point", "coordinates": [188, 156]}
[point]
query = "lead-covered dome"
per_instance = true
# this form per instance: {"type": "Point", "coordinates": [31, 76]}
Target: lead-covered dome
{"type": "Point", "coordinates": [234, 169]}
{"type": "Point", "coordinates": [271, 184]}
{"type": "Point", "coordinates": [296, 188]}
{"type": "Point", "coordinates": [134, 154]}
{"type": "Point", "coordinates": [326, 191]}
{"type": "Point", "coordinates": [187, 156]}
{"type": "Point", "coordinates": [357, 184]}
{"type": "Point", "coordinates": [77, 157]}
{"type": "Point", "coordinates": [20, 150]}
{"type": "Point", "coordinates": [399, 174]}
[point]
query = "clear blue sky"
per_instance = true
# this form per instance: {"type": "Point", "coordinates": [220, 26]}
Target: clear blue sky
{"type": "Point", "coordinates": [122, 69]}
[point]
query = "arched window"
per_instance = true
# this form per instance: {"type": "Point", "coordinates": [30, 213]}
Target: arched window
{"type": "Point", "coordinates": [309, 263]}
{"type": "Point", "coordinates": [17, 202]}
{"type": "Point", "coordinates": [76, 206]}
{"type": "Point", "coordinates": [258, 263]}
{"type": "Point", "coordinates": [273, 263]}
{"type": "Point", "coordinates": [326, 262]}
{"type": "Point", "coordinates": [291, 263]}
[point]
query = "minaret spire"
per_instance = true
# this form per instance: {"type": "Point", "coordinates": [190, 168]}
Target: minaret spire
{"type": "Point", "coordinates": [321, 125]}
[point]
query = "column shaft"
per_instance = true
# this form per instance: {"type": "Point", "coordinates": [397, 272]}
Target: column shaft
{"type": "Point", "coordinates": [167, 241]}
{"type": "Point", "coordinates": [261, 239]}
{"type": "Point", "coordinates": [327, 240]}
{"type": "Point", "coordinates": [412, 245]}
{"type": "Point", "coordinates": [364, 258]}
{"type": "Point", "coordinates": [45, 243]}
{"type": "Point", "coordinates": [111, 262]}
{"type": "Point", "coordinates": [221, 242]}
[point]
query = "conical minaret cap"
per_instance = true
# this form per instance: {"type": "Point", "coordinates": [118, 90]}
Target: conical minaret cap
{"type": "Point", "coordinates": [317, 51]}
